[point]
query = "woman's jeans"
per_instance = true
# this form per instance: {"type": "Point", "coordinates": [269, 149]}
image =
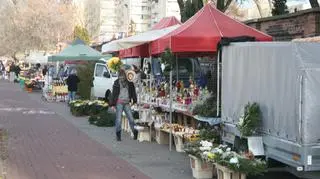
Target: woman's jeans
{"type": "Point", "coordinates": [71, 95]}
{"type": "Point", "coordinates": [119, 109]}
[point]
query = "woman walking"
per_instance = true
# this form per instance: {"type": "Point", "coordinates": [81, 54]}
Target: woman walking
{"type": "Point", "coordinates": [123, 94]}
{"type": "Point", "coordinates": [72, 82]}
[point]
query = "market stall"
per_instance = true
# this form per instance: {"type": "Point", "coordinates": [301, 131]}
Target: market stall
{"type": "Point", "coordinates": [200, 35]}
{"type": "Point", "coordinates": [56, 89]}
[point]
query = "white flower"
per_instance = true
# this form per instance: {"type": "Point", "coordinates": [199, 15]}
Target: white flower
{"type": "Point", "coordinates": [234, 160]}
{"type": "Point", "coordinates": [205, 148]}
{"type": "Point", "coordinates": [205, 143]}
{"type": "Point", "coordinates": [241, 120]}
{"type": "Point", "coordinates": [220, 151]}
{"type": "Point", "coordinates": [228, 149]}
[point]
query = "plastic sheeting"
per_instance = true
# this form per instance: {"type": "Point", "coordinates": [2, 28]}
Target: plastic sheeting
{"type": "Point", "coordinates": [276, 75]}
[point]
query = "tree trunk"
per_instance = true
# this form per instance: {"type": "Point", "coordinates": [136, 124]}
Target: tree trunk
{"type": "Point", "coordinates": [314, 3]}
{"type": "Point", "coordinates": [257, 3]}
{"type": "Point", "coordinates": [181, 7]}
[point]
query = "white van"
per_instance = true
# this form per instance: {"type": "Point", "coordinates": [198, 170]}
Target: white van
{"type": "Point", "coordinates": [103, 80]}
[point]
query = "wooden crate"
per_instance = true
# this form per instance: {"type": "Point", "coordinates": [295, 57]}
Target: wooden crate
{"type": "Point", "coordinates": [144, 135]}
{"type": "Point", "coordinates": [178, 141]}
{"type": "Point", "coordinates": [225, 173]}
{"type": "Point", "coordinates": [201, 169]}
{"type": "Point", "coordinates": [162, 137]}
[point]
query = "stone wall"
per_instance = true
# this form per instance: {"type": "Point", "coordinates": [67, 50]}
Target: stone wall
{"type": "Point", "coordinates": [301, 24]}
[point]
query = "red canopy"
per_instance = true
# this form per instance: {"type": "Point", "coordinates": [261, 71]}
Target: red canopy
{"type": "Point", "coordinates": [166, 22]}
{"type": "Point", "coordinates": [203, 31]}
{"type": "Point", "coordinates": [143, 50]}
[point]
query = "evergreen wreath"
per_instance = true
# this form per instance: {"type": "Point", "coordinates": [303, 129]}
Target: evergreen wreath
{"type": "Point", "coordinates": [250, 121]}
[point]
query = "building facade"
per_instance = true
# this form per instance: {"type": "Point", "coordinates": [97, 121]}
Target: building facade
{"type": "Point", "coordinates": [120, 18]}
{"type": "Point", "coordinates": [164, 8]}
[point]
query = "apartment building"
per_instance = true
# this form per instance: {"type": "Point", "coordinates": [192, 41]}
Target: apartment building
{"type": "Point", "coordinates": [164, 8]}
{"type": "Point", "coordinates": [108, 20]}
{"type": "Point", "coordinates": [120, 18]}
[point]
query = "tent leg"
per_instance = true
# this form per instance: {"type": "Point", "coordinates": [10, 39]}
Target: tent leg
{"type": "Point", "coordinates": [170, 117]}
{"type": "Point", "coordinates": [218, 82]}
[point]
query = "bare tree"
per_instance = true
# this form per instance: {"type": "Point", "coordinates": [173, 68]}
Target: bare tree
{"type": "Point", "coordinates": [34, 25]}
{"type": "Point", "coordinates": [88, 16]}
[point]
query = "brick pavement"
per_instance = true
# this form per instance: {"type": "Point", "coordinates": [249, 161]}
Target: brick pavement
{"type": "Point", "coordinates": [45, 146]}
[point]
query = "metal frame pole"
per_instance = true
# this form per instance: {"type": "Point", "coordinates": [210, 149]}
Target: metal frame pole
{"type": "Point", "coordinates": [170, 112]}
{"type": "Point", "coordinates": [218, 82]}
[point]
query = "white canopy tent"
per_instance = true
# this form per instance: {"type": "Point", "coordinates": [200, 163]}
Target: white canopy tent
{"type": "Point", "coordinates": [37, 57]}
{"type": "Point", "coordinates": [136, 40]}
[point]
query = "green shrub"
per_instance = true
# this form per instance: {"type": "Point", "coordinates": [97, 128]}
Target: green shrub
{"type": "Point", "coordinates": [85, 74]}
{"type": "Point", "coordinates": [103, 119]}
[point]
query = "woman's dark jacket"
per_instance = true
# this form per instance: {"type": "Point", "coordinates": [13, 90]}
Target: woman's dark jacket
{"type": "Point", "coordinates": [116, 91]}
{"type": "Point", "coordinates": [72, 82]}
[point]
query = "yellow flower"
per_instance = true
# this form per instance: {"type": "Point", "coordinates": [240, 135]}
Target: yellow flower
{"type": "Point", "coordinates": [116, 60]}
{"type": "Point", "coordinates": [210, 155]}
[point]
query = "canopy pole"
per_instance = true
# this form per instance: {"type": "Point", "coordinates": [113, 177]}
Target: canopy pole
{"type": "Point", "coordinates": [170, 112]}
{"type": "Point", "coordinates": [177, 68]}
{"type": "Point", "coordinates": [218, 82]}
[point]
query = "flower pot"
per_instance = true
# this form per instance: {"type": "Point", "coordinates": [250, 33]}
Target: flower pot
{"type": "Point", "coordinates": [200, 169]}
{"type": "Point", "coordinates": [29, 90]}
{"type": "Point", "coordinates": [226, 173]}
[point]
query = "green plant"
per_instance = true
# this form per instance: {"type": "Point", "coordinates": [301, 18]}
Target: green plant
{"type": "Point", "coordinates": [86, 108]}
{"type": "Point", "coordinates": [82, 33]}
{"type": "Point", "coordinates": [168, 59]}
{"type": "Point", "coordinates": [246, 164]}
{"type": "Point", "coordinates": [251, 119]}
{"type": "Point", "coordinates": [279, 7]}
{"type": "Point", "coordinates": [85, 74]}
{"type": "Point", "coordinates": [207, 108]}
{"type": "Point", "coordinates": [210, 134]}
{"type": "Point", "coordinates": [192, 148]}
{"type": "Point", "coordinates": [103, 119]}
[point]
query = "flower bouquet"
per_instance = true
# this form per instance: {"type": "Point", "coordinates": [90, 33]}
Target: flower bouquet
{"type": "Point", "coordinates": [114, 64]}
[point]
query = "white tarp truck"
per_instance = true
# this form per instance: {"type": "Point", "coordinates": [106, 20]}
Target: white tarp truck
{"type": "Point", "coordinates": [284, 79]}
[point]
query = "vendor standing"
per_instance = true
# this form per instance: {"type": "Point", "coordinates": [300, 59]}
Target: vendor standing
{"type": "Point", "coordinates": [72, 82]}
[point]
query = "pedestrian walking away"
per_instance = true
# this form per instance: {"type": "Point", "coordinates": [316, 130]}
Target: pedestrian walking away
{"type": "Point", "coordinates": [123, 94]}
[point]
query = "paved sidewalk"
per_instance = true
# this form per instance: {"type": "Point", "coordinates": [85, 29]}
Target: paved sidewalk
{"type": "Point", "coordinates": [44, 145]}
{"type": "Point", "coordinates": [152, 159]}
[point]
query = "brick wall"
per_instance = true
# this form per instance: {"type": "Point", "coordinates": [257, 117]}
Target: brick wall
{"type": "Point", "coordinates": [301, 24]}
